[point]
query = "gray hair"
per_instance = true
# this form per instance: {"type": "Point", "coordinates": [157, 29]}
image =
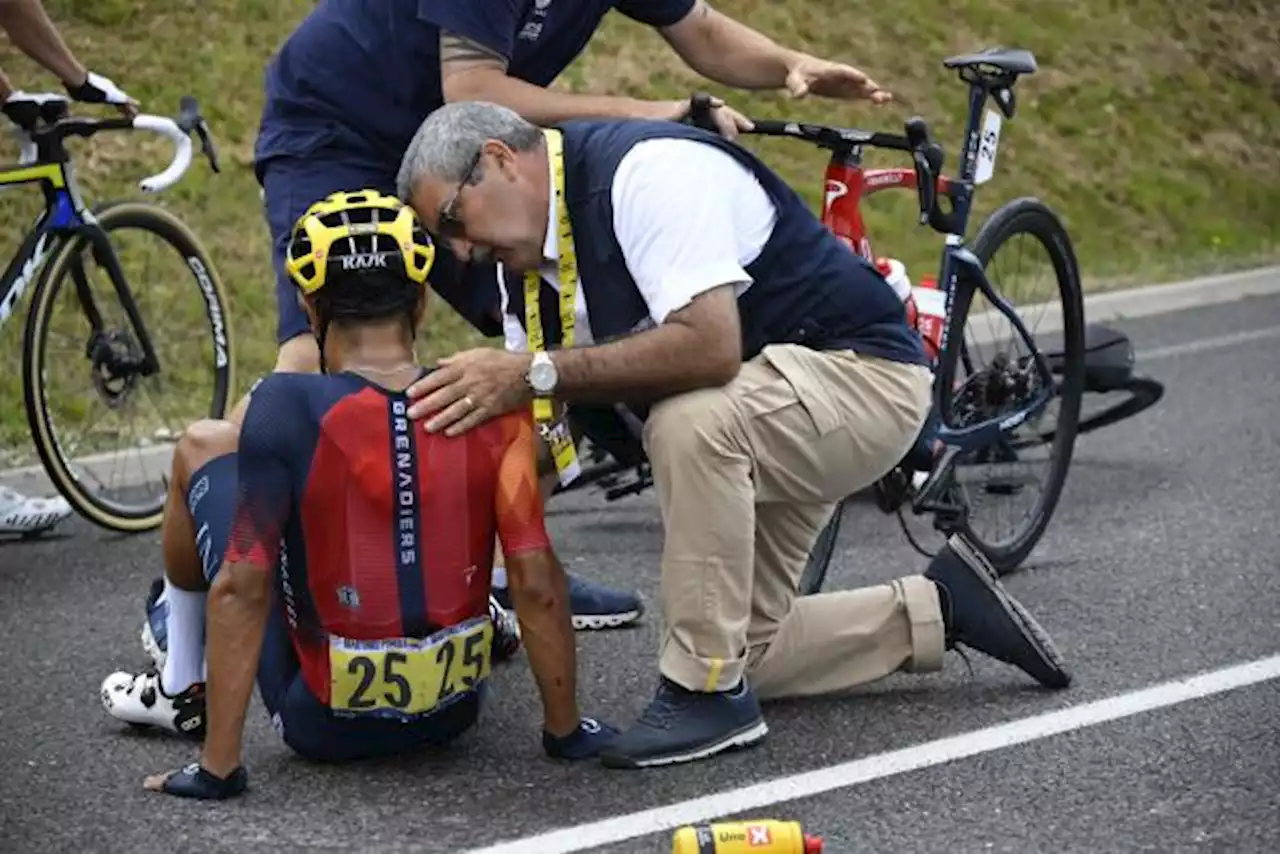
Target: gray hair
{"type": "Point", "coordinates": [448, 139]}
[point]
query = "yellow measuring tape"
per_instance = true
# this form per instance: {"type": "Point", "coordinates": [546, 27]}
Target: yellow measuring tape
{"type": "Point", "coordinates": [556, 433]}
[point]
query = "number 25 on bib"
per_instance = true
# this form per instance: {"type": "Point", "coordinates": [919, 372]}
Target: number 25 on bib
{"type": "Point", "coordinates": [405, 678]}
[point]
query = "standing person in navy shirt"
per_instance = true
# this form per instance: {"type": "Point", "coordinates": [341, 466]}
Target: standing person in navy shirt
{"type": "Point", "coordinates": [351, 85]}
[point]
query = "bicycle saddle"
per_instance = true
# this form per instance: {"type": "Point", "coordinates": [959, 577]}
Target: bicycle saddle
{"type": "Point", "coordinates": [1011, 60]}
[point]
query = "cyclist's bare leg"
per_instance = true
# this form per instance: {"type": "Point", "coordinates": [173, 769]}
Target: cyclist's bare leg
{"type": "Point", "coordinates": [202, 442]}
{"type": "Point", "coordinates": [172, 698]}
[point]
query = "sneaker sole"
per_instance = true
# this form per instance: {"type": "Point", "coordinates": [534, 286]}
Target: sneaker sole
{"type": "Point", "coordinates": [593, 622]}
{"type": "Point", "coordinates": [1037, 638]}
{"type": "Point", "coordinates": [744, 738]}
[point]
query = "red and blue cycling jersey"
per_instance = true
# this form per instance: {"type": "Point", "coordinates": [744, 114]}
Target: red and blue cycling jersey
{"type": "Point", "coordinates": [375, 528]}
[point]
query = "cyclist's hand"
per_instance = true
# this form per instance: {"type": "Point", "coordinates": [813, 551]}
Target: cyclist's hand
{"type": "Point", "coordinates": [812, 76]}
{"type": "Point", "coordinates": [729, 122]}
{"type": "Point", "coordinates": [96, 89]}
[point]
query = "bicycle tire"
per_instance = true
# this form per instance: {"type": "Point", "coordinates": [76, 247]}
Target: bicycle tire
{"type": "Point", "coordinates": [824, 548]}
{"type": "Point", "coordinates": [1144, 393]}
{"type": "Point", "coordinates": [1030, 216]}
{"type": "Point", "coordinates": [174, 232]}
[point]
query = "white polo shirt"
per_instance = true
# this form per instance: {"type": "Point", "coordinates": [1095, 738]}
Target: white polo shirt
{"type": "Point", "coordinates": [688, 217]}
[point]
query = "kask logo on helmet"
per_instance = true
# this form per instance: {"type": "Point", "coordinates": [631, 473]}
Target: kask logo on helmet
{"type": "Point", "coordinates": [366, 261]}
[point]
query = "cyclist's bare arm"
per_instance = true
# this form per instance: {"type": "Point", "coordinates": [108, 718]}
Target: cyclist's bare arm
{"type": "Point", "coordinates": [727, 51]}
{"type": "Point", "coordinates": [539, 586]}
{"type": "Point", "coordinates": [469, 71]}
{"type": "Point", "coordinates": [31, 31]}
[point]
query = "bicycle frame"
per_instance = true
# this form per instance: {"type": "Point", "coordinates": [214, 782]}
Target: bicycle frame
{"type": "Point", "coordinates": [960, 275]}
{"type": "Point", "coordinates": [65, 216]}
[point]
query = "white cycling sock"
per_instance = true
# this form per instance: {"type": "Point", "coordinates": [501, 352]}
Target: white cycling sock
{"type": "Point", "coordinates": [184, 664]}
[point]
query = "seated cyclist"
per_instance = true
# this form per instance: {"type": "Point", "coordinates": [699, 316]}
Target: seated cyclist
{"type": "Point", "coordinates": [345, 555]}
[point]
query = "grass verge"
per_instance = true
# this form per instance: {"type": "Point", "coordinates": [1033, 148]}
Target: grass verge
{"type": "Point", "coordinates": [1156, 136]}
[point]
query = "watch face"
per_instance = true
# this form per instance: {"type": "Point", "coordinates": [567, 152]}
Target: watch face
{"type": "Point", "coordinates": [542, 376]}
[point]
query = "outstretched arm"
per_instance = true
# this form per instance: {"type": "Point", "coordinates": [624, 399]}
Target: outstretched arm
{"type": "Point", "coordinates": [470, 71]}
{"type": "Point", "coordinates": [717, 46]}
{"type": "Point", "coordinates": [539, 587]}
{"type": "Point", "coordinates": [237, 617]}
{"type": "Point", "coordinates": [29, 27]}
{"type": "Point", "coordinates": [730, 52]}
{"type": "Point", "coordinates": [477, 41]}
{"type": "Point", "coordinates": [32, 32]}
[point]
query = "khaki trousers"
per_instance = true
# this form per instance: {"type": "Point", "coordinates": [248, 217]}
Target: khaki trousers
{"type": "Point", "coordinates": [747, 475]}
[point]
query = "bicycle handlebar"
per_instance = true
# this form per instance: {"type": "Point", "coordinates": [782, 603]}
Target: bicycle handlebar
{"type": "Point", "coordinates": [42, 119]}
{"type": "Point", "coordinates": [926, 154]}
{"type": "Point", "coordinates": [181, 152]}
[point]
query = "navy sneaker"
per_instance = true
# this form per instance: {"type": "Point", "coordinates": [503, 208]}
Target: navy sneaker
{"type": "Point", "coordinates": [682, 726]}
{"type": "Point", "coordinates": [155, 626]}
{"type": "Point", "coordinates": [978, 613]}
{"type": "Point", "coordinates": [594, 606]}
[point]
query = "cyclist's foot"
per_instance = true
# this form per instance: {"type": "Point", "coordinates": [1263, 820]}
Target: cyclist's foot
{"type": "Point", "coordinates": [506, 634]}
{"type": "Point", "coordinates": [139, 700]}
{"type": "Point", "coordinates": [978, 613]}
{"type": "Point", "coordinates": [22, 516]}
{"type": "Point", "coordinates": [154, 625]}
{"type": "Point", "coordinates": [594, 606]}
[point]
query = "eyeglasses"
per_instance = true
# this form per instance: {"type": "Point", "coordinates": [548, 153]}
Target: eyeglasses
{"type": "Point", "coordinates": [450, 224]}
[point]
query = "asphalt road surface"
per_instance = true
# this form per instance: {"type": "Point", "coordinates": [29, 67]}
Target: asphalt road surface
{"type": "Point", "coordinates": [1161, 563]}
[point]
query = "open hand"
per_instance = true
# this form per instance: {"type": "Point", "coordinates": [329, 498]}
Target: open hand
{"type": "Point", "coordinates": [810, 75]}
{"type": "Point", "coordinates": [469, 388]}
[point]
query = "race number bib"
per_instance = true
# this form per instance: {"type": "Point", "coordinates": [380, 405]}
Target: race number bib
{"type": "Point", "coordinates": [407, 678]}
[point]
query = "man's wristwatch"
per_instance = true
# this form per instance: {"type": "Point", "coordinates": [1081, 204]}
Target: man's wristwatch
{"type": "Point", "coordinates": [542, 376]}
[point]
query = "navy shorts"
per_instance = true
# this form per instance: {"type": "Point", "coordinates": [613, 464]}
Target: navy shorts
{"type": "Point", "coordinates": [290, 185]}
{"type": "Point", "coordinates": [305, 724]}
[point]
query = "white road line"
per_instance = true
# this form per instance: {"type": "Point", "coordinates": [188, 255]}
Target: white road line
{"type": "Point", "coordinates": [1202, 345]}
{"type": "Point", "coordinates": [736, 801]}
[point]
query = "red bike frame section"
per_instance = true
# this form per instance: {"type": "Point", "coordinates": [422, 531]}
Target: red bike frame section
{"type": "Point", "coordinates": [847, 184]}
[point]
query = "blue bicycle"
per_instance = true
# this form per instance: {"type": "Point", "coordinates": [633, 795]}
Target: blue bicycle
{"type": "Point", "coordinates": [132, 297]}
{"type": "Point", "coordinates": [985, 417]}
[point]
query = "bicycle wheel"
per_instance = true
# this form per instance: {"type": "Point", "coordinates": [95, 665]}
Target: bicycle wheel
{"type": "Point", "coordinates": [970, 395]}
{"type": "Point", "coordinates": [102, 317]}
{"type": "Point", "coordinates": [824, 547]}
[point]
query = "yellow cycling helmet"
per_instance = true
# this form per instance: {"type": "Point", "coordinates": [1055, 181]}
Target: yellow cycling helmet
{"type": "Point", "coordinates": [353, 232]}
